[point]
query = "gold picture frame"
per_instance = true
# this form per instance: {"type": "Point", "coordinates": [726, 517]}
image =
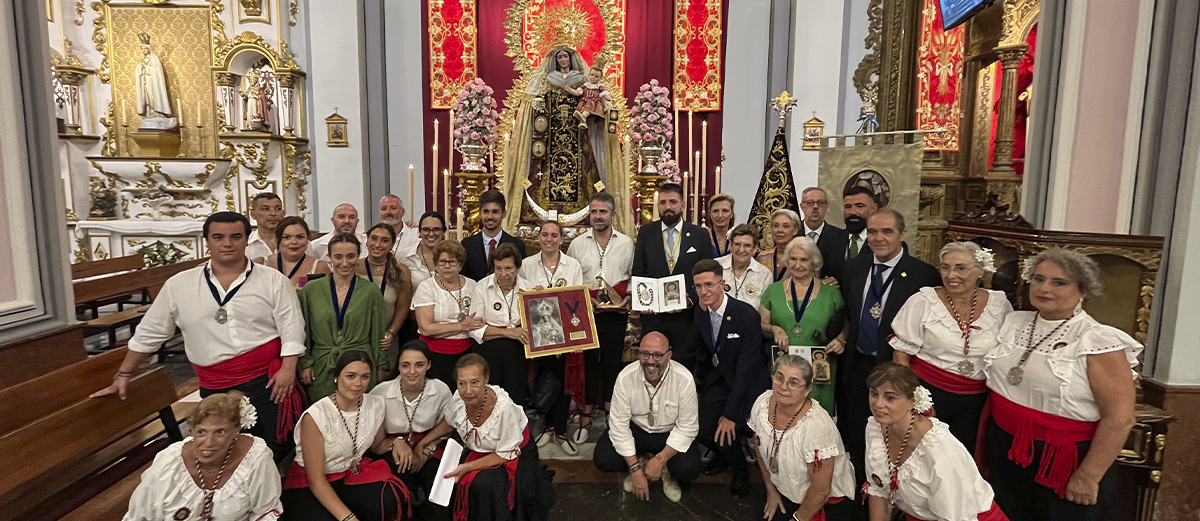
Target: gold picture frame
{"type": "Point", "coordinates": [337, 129]}
{"type": "Point", "coordinates": [559, 320]}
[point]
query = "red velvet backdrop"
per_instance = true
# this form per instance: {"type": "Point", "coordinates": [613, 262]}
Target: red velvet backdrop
{"type": "Point", "coordinates": [648, 43]}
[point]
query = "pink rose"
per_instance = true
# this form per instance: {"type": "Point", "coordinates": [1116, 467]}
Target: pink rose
{"type": "Point", "coordinates": [652, 118]}
{"type": "Point", "coordinates": [475, 135]}
{"type": "Point", "coordinates": [662, 110]}
{"type": "Point", "coordinates": [645, 87]}
{"type": "Point", "coordinates": [635, 136]}
{"type": "Point", "coordinates": [645, 106]}
{"type": "Point", "coordinates": [478, 121]}
{"type": "Point", "coordinates": [644, 127]}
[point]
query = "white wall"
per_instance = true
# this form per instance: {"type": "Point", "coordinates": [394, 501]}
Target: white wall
{"type": "Point", "coordinates": [405, 102]}
{"type": "Point", "coordinates": [745, 101]}
{"type": "Point", "coordinates": [816, 79]}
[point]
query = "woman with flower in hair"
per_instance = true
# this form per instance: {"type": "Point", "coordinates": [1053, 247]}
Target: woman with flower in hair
{"type": "Point", "coordinates": [942, 334]}
{"type": "Point", "coordinates": [216, 474]}
{"type": "Point", "coordinates": [913, 463]}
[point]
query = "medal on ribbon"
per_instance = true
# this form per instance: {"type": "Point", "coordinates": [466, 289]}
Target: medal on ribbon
{"type": "Point", "coordinates": [573, 307]}
{"type": "Point", "coordinates": [222, 316]}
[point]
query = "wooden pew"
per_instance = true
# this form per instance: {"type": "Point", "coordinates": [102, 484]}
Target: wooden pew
{"type": "Point", "coordinates": [100, 268]}
{"type": "Point", "coordinates": [148, 281]}
{"type": "Point", "coordinates": [53, 437]}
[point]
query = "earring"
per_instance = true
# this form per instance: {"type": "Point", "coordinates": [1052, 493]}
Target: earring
{"type": "Point", "coordinates": [1079, 307]}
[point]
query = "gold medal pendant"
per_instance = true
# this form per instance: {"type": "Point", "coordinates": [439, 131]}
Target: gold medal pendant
{"type": "Point", "coordinates": [356, 467]}
{"type": "Point", "coordinates": [774, 465]}
{"type": "Point", "coordinates": [222, 316]}
{"type": "Point", "coordinates": [182, 514]}
{"type": "Point", "coordinates": [671, 265]}
{"type": "Point", "coordinates": [876, 311]}
{"type": "Point", "coordinates": [716, 361]}
{"type": "Point", "coordinates": [1015, 375]}
{"type": "Point", "coordinates": [966, 368]}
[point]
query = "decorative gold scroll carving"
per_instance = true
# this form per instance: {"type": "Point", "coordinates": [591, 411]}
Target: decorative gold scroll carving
{"type": "Point", "coordinates": [109, 138]}
{"type": "Point", "coordinates": [869, 66]}
{"type": "Point", "coordinates": [1019, 18]}
{"type": "Point", "coordinates": [100, 37]}
{"type": "Point", "coordinates": [293, 10]}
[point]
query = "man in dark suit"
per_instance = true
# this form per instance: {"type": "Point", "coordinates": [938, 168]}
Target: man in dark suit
{"type": "Point", "coordinates": [875, 288]}
{"type": "Point", "coordinates": [858, 203]}
{"type": "Point", "coordinates": [668, 247]}
{"type": "Point", "coordinates": [731, 368]}
{"type": "Point", "coordinates": [831, 240]}
{"type": "Point", "coordinates": [481, 245]}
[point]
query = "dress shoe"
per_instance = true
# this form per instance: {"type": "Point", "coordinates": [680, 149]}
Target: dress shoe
{"type": "Point", "coordinates": [716, 466]}
{"type": "Point", "coordinates": [740, 486]}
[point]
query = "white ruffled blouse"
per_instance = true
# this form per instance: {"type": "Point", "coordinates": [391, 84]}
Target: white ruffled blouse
{"type": "Point", "coordinates": [924, 328]}
{"type": "Point", "coordinates": [446, 304]}
{"type": "Point", "coordinates": [1056, 375]}
{"type": "Point", "coordinates": [339, 451]}
{"type": "Point", "coordinates": [251, 494]}
{"type": "Point", "coordinates": [427, 409]}
{"type": "Point", "coordinates": [502, 432]}
{"type": "Point", "coordinates": [815, 436]}
{"type": "Point", "coordinates": [938, 482]}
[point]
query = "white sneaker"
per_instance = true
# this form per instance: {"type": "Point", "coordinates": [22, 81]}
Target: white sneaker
{"type": "Point", "coordinates": [670, 487]}
{"type": "Point", "coordinates": [628, 486]}
{"type": "Point", "coordinates": [569, 448]}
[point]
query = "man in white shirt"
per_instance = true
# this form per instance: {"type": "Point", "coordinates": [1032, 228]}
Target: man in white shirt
{"type": "Point", "coordinates": [345, 220]}
{"type": "Point", "coordinates": [654, 411]}
{"type": "Point", "coordinates": [242, 330]}
{"type": "Point", "coordinates": [606, 257]}
{"type": "Point", "coordinates": [267, 210]}
{"type": "Point", "coordinates": [391, 213]}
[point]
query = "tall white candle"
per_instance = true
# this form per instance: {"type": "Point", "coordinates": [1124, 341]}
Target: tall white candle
{"type": "Point", "coordinates": [655, 216]}
{"type": "Point", "coordinates": [412, 208]}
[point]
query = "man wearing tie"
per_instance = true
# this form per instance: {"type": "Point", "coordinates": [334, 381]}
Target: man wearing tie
{"type": "Point", "coordinates": [831, 240]}
{"type": "Point", "coordinates": [875, 288]}
{"type": "Point", "coordinates": [667, 247]}
{"type": "Point", "coordinates": [858, 203]}
{"type": "Point", "coordinates": [481, 245]}
{"type": "Point", "coordinates": [731, 369]}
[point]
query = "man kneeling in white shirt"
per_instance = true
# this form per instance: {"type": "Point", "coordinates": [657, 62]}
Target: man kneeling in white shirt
{"type": "Point", "coordinates": [652, 423]}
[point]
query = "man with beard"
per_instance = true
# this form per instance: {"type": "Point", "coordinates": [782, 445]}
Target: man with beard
{"type": "Point", "coordinates": [831, 240]}
{"type": "Point", "coordinates": [666, 247]}
{"type": "Point", "coordinates": [606, 257]}
{"type": "Point", "coordinates": [391, 213]}
{"type": "Point", "coordinates": [267, 210]}
{"type": "Point", "coordinates": [481, 245]}
{"type": "Point", "coordinates": [345, 220]}
{"type": "Point", "coordinates": [652, 423]}
{"type": "Point", "coordinates": [858, 204]}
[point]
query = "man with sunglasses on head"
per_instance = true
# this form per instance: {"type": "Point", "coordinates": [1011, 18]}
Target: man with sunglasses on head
{"type": "Point", "coordinates": [652, 424]}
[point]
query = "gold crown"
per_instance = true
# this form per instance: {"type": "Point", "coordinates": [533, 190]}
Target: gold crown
{"type": "Point", "coordinates": [144, 38]}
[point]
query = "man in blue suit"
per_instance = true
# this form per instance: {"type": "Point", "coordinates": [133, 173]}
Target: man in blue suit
{"type": "Point", "coordinates": [730, 368]}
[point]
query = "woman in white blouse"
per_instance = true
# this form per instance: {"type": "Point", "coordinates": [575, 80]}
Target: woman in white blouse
{"type": "Point", "coordinates": [421, 263]}
{"type": "Point", "coordinates": [494, 433]}
{"type": "Point", "coordinates": [1062, 399]}
{"type": "Point", "coordinates": [551, 268]}
{"type": "Point", "coordinates": [800, 451]}
{"type": "Point", "coordinates": [443, 308]}
{"type": "Point", "coordinates": [414, 403]}
{"type": "Point", "coordinates": [330, 476]}
{"type": "Point", "coordinates": [215, 472]}
{"type": "Point", "coordinates": [943, 334]}
{"type": "Point", "coordinates": [745, 278]}
{"type": "Point", "coordinates": [502, 339]}
{"type": "Point", "coordinates": [913, 463]}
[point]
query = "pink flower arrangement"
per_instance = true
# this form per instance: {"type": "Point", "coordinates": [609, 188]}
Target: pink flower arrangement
{"type": "Point", "coordinates": [651, 120]}
{"type": "Point", "coordinates": [667, 166]}
{"type": "Point", "coordinates": [475, 113]}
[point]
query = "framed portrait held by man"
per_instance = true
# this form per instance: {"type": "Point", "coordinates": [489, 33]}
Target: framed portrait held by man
{"type": "Point", "coordinates": [559, 320]}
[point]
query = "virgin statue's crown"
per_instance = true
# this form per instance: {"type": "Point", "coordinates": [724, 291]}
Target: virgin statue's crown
{"type": "Point", "coordinates": [144, 38]}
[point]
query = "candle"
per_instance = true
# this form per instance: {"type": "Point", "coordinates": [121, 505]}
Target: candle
{"type": "Point", "coordinates": [461, 227]}
{"type": "Point", "coordinates": [450, 139]}
{"type": "Point", "coordinates": [412, 190]}
{"type": "Point", "coordinates": [434, 172]}
{"type": "Point", "coordinates": [696, 189]}
{"type": "Point", "coordinates": [703, 157]}
{"type": "Point", "coordinates": [199, 115]}
{"type": "Point", "coordinates": [675, 121]}
{"type": "Point", "coordinates": [655, 216]}
{"type": "Point", "coordinates": [691, 143]}
{"type": "Point", "coordinates": [446, 182]}
{"type": "Point", "coordinates": [179, 103]}
{"type": "Point", "coordinates": [717, 182]}
{"type": "Point", "coordinates": [685, 186]}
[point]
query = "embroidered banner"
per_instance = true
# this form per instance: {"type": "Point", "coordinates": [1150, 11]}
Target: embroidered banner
{"type": "Point", "coordinates": [579, 24]}
{"type": "Point", "coordinates": [452, 49]}
{"type": "Point", "coordinates": [698, 55]}
{"type": "Point", "coordinates": [939, 73]}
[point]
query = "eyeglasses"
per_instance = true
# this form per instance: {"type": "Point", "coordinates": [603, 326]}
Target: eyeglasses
{"type": "Point", "coordinates": [708, 286]}
{"type": "Point", "coordinates": [431, 230]}
{"type": "Point", "coordinates": [646, 355]}
{"type": "Point", "coordinates": [957, 270]}
{"type": "Point", "coordinates": [790, 384]}
{"type": "Point", "coordinates": [447, 262]}
{"type": "Point", "coordinates": [814, 203]}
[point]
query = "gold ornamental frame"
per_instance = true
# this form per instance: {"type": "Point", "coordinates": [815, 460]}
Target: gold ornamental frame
{"type": "Point", "coordinates": [335, 138]}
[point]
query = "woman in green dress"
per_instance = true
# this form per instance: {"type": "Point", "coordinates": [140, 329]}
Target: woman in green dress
{"type": "Point", "coordinates": [797, 311]}
{"type": "Point", "coordinates": [341, 312]}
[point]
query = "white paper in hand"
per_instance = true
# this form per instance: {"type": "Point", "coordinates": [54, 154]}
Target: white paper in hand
{"type": "Point", "coordinates": [443, 488]}
{"type": "Point", "coordinates": [805, 352]}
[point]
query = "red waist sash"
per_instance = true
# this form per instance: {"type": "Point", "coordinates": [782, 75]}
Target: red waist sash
{"type": "Point", "coordinates": [820, 515]}
{"type": "Point", "coordinates": [463, 487]}
{"type": "Point", "coordinates": [253, 364]}
{"type": "Point", "coordinates": [945, 380]}
{"type": "Point", "coordinates": [447, 346]}
{"type": "Point", "coordinates": [373, 471]}
{"type": "Point", "coordinates": [1060, 455]}
{"type": "Point", "coordinates": [992, 514]}
{"type": "Point", "coordinates": [622, 289]}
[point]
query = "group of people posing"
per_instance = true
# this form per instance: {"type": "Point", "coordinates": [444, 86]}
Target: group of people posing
{"type": "Point", "coordinates": [836, 360]}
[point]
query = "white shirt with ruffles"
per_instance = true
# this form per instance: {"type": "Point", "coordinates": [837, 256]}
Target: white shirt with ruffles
{"type": "Point", "coordinates": [339, 451]}
{"type": "Point", "coordinates": [250, 494]}
{"type": "Point", "coordinates": [926, 329]}
{"type": "Point", "coordinates": [1056, 375]}
{"type": "Point", "coordinates": [491, 304]}
{"type": "Point", "coordinates": [938, 482]}
{"type": "Point", "coordinates": [814, 436]}
{"type": "Point", "coordinates": [501, 433]}
{"type": "Point", "coordinates": [750, 286]}
{"type": "Point", "coordinates": [427, 409]}
{"type": "Point", "coordinates": [445, 303]}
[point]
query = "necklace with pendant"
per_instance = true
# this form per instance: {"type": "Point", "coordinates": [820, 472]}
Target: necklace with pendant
{"type": "Point", "coordinates": [355, 464]}
{"type": "Point", "coordinates": [965, 367]}
{"type": "Point", "coordinates": [777, 436]}
{"type": "Point", "coordinates": [1016, 374]}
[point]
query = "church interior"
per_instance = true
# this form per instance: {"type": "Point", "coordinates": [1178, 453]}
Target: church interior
{"type": "Point", "coordinates": [1021, 126]}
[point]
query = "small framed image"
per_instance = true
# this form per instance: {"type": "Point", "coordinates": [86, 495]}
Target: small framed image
{"type": "Point", "coordinates": [559, 320]}
{"type": "Point", "coordinates": [336, 125]}
{"type": "Point", "coordinates": [659, 295]}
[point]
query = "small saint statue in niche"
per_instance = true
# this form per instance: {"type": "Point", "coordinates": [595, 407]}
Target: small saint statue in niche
{"type": "Point", "coordinates": [255, 102]}
{"type": "Point", "coordinates": [153, 100]}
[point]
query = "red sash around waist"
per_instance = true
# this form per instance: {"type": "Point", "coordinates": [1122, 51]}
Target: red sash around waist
{"type": "Point", "coordinates": [463, 487]}
{"type": "Point", "coordinates": [992, 514]}
{"type": "Point", "coordinates": [373, 471]}
{"type": "Point", "coordinates": [447, 346]}
{"type": "Point", "coordinates": [945, 380]}
{"type": "Point", "coordinates": [262, 360]}
{"type": "Point", "coordinates": [1060, 455]}
{"type": "Point", "coordinates": [820, 515]}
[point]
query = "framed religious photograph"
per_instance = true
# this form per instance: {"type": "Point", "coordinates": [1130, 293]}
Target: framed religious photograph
{"type": "Point", "coordinates": [659, 295]}
{"type": "Point", "coordinates": [336, 126]}
{"type": "Point", "coordinates": [559, 320]}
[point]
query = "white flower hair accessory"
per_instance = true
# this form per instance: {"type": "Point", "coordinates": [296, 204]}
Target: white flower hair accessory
{"type": "Point", "coordinates": [1027, 269]}
{"type": "Point", "coordinates": [922, 400]}
{"type": "Point", "coordinates": [249, 416]}
{"type": "Point", "coordinates": [986, 260]}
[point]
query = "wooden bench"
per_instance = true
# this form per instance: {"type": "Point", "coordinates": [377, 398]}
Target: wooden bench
{"type": "Point", "coordinates": [101, 268]}
{"type": "Point", "coordinates": [147, 281]}
{"type": "Point", "coordinates": [109, 324]}
{"type": "Point", "coordinates": [59, 448]}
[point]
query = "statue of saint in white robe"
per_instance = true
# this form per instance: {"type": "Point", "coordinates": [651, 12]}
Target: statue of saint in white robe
{"type": "Point", "coordinates": [152, 98]}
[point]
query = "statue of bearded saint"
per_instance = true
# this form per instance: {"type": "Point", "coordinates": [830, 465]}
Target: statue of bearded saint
{"type": "Point", "coordinates": [153, 101]}
{"type": "Point", "coordinates": [254, 96]}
